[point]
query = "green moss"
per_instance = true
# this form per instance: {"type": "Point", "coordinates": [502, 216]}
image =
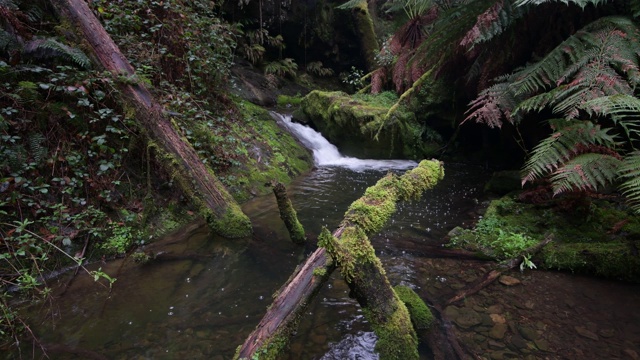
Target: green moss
{"type": "Point", "coordinates": [396, 338]}
{"type": "Point", "coordinates": [591, 238]}
{"type": "Point", "coordinates": [286, 100]}
{"type": "Point", "coordinates": [421, 316]}
{"type": "Point", "coordinates": [613, 260]}
{"type": "Point", "coordinates": [352, 123]}
{"type": "Point", "coordinates": [232, 224]}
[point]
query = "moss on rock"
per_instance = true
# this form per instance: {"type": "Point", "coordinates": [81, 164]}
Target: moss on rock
{"type": "Point", "coordinates": [352, 123]}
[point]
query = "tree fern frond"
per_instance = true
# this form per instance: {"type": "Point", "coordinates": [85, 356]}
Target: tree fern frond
{"type": "Point", "coordinates": [623, 109]}
{"type": "Point", "coordinates": [589, 171]}
{"type": "Point", "coordinates": [493, 22]}
{"type": "Point", "coordinates": [351, 4]}
{"type": "Point", "coordinates": [50, 48]}
{"type": "Point", "coordinates": [635, 8]}
{"type": "Point", "coordinates": [570, 139]}
{"type": "Point", "coordinates": [494, 105]}
{"type": "Point", "coordinates": [581, 3]}
{"type": "Point", "coordinates": [630, 175]}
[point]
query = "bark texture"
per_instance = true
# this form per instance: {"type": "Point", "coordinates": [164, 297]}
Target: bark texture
{"type": "Point", "coordinates": [198, 182]}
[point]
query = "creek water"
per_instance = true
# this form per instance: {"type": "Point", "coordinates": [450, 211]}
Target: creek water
{"type": "Point", "coordinates": [204, 294]}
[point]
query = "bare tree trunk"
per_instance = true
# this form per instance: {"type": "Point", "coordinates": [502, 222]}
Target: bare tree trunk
{"type": "Point", "coordinates": [197, 181]}
{"type": "Point", "coordinates": [350, 248]}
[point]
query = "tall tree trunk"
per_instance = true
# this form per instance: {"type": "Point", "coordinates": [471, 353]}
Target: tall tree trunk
{"type": "Point", "coordinates": [350, 248]}
{"type": "Point", "coordinates": [197, 181]}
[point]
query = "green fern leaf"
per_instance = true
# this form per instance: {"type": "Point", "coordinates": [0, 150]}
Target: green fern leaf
{"type": "Point", "coordinates": [563, 145]}
{"type": "Point", "coordinates": [581, 3]}
{"type": "Point", "coordinates": [493, 22]}
{"type": "Point", "coordinates": [623, 109]}
{"type": "Point", "coordinates": [51, 48]}
{"type": "Point", "coordinates": [630, 175]}
{"type": "Point", "coordinates": [585, 172]}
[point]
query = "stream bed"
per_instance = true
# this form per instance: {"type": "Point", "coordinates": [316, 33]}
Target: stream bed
{"type": "Point", "coordinates": [203, 295]}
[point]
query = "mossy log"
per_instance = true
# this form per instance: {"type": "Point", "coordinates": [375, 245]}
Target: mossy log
{"type": "Point", "coordinates": [197, 181]}
{"type": "Point", "coordinates": [362, 269]}
{"type": "Point", "coordinates": [288, 214]}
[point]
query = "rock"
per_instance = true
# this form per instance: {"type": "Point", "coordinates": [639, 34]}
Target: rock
{"type": "Point", "coordinates": [631, 354]}
{"type": "Point", "coordinates": [495, 309]}
{"type": "Point", "coordinates": [503, 182]}
{"type": "Point", "coordinates": [528, 333]}
{"type": "Point", "coordinates": [455, 231]}
{"type": "Point", "coordinates": [542, 344]}
{"type": "Point", "coordinates": [518, 343]}
{"type": "Point", "coordinates": [508, 280]}
{"type": "Point", "coordinates": [586, 333]}
{"type": "Point", "coordinates": [607, 333]}
{"type": "Point", "coordinates": [452, 312]}
{"type": "Point", "coordinates": [467, 318]}
{"type": "Point", "coordinates": [498, 319]}
{"type": "Point", "coordinates": [496, 345]}
{"type": "Point", "coordinates": [498, 330]}
{"type": "Point", "coordinates": [486, 320]}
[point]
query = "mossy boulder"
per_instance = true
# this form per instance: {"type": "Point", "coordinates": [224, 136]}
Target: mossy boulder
{"type": "Point", "coordinates": [358, 125]}
{"type": "Point", "coordinates": [596, 237]}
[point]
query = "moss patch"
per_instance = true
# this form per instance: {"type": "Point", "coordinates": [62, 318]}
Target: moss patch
{"type": "Point", "coordinates": [594, 238]}
{"type": "Point", "coordinates": [352, 123]}
{"type": "Point", "coordinates": [421, 316]}
{"type": "Point", "coordinates": [394, 339]}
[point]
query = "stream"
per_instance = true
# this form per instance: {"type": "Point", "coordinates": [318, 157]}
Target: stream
{"type": "Point", "coordinates": [205, 294]}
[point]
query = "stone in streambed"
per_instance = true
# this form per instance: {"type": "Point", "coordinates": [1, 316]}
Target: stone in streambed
{"type": "Point", "coordinates": [586, 333]}
{"type": "Point", "coordinates": [507, 280]}
{"type": "Point", "coordinates": [467, 318]}
{"type": "Point", "coordinates": [498, 330]}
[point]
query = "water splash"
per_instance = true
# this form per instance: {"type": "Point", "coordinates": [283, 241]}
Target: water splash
{"type": "Point", "coordinates": [326, 154]}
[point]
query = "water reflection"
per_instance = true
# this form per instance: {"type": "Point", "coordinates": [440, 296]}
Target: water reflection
{"type": "Point", "coordinates": [206, 294]}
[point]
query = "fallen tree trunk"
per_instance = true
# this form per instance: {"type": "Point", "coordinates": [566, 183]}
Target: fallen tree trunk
{"type": "Point", "coordinates": [388, 315]}
{"type": "Point", "coordinates": [216, 205]}
{"type": "Point", "coordinates": [492, 275]}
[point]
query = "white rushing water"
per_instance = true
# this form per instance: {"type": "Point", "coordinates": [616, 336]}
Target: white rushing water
{"type": "Point", "coordinates": [327, 154]}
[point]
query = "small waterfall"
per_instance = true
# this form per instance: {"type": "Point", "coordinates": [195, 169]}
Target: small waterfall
{"type": "Point", "coordinates": [326, 154]}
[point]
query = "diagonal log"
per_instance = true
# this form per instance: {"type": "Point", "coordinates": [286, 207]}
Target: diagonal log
{"type": "Point", "coordinates": [388, 315]}
{"type": "Point", "coordinates": [181, 161]}
{"type": "Point", "coordinates": [492, 275]}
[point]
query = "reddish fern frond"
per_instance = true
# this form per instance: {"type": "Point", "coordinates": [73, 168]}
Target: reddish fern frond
{"type": "Point", "coordinates": [493, 22]}
{"type": "Point", "coordinates": [492, 106]}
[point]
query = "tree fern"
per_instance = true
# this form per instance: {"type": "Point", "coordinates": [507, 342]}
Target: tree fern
{"type": "Point", "coordinates": [623, 109]}
{"type": "Point", "coordinates": [493, 22]}
{"type": "Point", "coordinates": [585, 172]}
{"type": "Point", "coordinates": [568, 141]}
{"type": "Point", "coordinates": [581, 3]}
{"type": "Point", "coordinates": [630, 176]}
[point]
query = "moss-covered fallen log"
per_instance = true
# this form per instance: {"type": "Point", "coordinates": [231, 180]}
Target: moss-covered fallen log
{"type": "Point", "coordinates": [179, 158]}
{"type": "Point", "coordinates": [351, 249]}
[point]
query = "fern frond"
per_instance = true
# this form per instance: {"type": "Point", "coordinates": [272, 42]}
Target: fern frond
{"type": "Point", "coordinates": [623, 109]}
{"type": "Point", "coordinates": [585, 172]}
{"type": "Point", "coordinates": [51, 48]}
{"type": "Point", "coordinates": [581, 3]}
{"type": "Point", "coordinates": [630, 175]}
{"type": "Point", "coordinates": [570, 139]}
{"type": "Point", "coordinates": [494, 105]}
{"type": "Point", "coordinates": [351, 4]}
{"type": "Point", "coordinates": [493, 22]}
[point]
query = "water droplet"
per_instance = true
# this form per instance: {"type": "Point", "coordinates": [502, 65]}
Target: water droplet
{"type": "Point", "coordinates": [261, 297]}
{"type": "Point", "coordinates": [170, 313]}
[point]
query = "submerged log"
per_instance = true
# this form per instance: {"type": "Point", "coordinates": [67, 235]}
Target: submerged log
{"type": "Point", "coordinates": [388, 315]}
{"type": "Point", "coordinates": [492, 275]}
{"type": "Point", "coordinates": [288, 214]}
{"type": "Point", "coordinates": [196, 180]}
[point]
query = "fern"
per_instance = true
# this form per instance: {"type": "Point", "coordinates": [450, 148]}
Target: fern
{"type": "Point", "coordinates": [581, 3]}
{"type": "Point", "coordinates": [38, 151]}
{"type": "Point", "coordinates": [623, 109]}
{"type": "Point", "coordinates": [51, 48]}
{"type": "Point", "coordinates": [493, 22]}
{"type": "Point", "coordinates": [630, 175]}
{"type": "Point", "coordinates": [571, 139]}
{"type": "Point", "coordinates": [585, 172]}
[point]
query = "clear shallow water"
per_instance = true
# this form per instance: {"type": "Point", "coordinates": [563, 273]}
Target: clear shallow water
{"type": "Point", "coordinates": [205, 294]}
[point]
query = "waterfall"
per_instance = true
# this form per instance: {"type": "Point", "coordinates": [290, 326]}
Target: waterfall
{"type": "Point", "coordinates": [326, 154]}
